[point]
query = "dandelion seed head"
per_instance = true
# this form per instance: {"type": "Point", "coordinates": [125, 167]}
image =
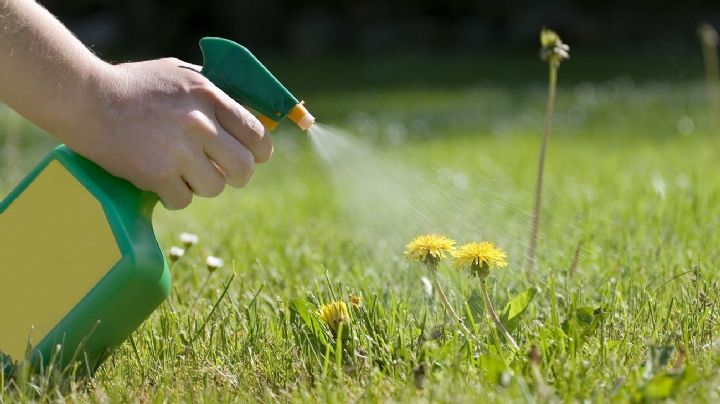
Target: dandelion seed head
{"type": "Point", "coordinates": [334, 314]}
{"type": "Point", "coordinates": [479, 258]}
{"type": "Point", "coordinates": [214, 263]}
{"type": "Point", "coordinates": [189, 239]}
{"type": "Point", "coordinates": [176, 253]}
{"type": "Point", "coordinates": [429, 248]}
{"type": "Point", "coordinates": [553, 49]}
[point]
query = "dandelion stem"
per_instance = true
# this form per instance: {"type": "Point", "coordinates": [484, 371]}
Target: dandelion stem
{"type": "Point", "coordinates": [202, 287]}
{"type": "Point", "coordinates": [534, 362]}
{"type": "Point", "coordinates": [532, 246]}
{"type": "Point", "coordinates": [491, 310]}
{"type": "Point", "coordinates": [446, 303]}
{"type": "Point", "coordinates": [709, 41]}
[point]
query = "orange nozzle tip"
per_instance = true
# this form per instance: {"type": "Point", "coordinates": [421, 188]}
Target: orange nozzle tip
{"type": "Point", "coordinates": [301, 116]}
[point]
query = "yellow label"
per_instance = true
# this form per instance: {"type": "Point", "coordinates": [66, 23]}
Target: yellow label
{"type": "Point", "coordinates": [55, 245]}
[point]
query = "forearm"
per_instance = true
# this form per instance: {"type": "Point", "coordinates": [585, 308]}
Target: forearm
{"type": "Point", "coordinates": [46, 74]}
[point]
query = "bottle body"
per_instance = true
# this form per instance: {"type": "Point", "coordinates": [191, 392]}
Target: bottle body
{"type": "Point", "coordinates": [82, 268]}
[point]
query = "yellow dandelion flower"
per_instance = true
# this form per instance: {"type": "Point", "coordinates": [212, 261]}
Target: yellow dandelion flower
{"type": "Point", "coordinates": [429, 248]}
{"type": "Point", "coordinates": [334, 314]}
{"type": "Point", "coordinates": [479, 258]}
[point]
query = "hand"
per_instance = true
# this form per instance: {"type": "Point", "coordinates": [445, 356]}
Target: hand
{"type": "Point", "coordinates": [159, 124]}
{"type": "Point", "coordinates": [167, 129]}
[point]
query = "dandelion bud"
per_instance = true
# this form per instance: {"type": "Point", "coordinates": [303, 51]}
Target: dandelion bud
{"type": "Point", "coordinates": [213, 263]}
{"type": "Point", "coordinates": [553, 49]}
{"type": "Point", "coordinates": [176, 253]}
{"type": "Point", "coordinates": [188, 239]}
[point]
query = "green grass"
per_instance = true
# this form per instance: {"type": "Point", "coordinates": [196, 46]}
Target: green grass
{"type": "Point", "coordinates": [641, 198]}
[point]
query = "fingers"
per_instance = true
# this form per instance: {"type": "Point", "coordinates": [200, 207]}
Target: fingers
{"type": "Point", "coordinates": [235, 160]}
{"type": "Point", "coordinates": [203, 176]}
{"type": "Point", "coordinates": [175, 194]}
{"type": "Point", "coordinates": [216, 148]}
{"type": "Point", "coordinates": [243, 126]}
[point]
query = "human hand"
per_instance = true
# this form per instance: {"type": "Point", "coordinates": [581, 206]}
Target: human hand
{"type": "Point", "coordinates": [167, 129]}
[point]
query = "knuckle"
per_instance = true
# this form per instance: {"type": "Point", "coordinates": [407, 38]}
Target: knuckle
{"type": "Point", "coordinates": [197, 121]}
{"type": "Point", "coordinates": [201, 87]}
{"type": "Point", "coordinates": [172, 60]}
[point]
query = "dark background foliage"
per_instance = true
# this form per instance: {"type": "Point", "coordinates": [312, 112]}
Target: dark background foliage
{"type": "Point", "coordinates": [120, 29]}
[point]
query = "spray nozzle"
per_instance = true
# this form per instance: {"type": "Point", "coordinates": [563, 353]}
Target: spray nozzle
{"type": "Point", "coordinates": [301, 116]}
{"type": "Point", "coordinates": [237, 72]}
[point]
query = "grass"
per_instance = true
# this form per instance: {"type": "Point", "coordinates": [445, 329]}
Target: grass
{"type": "Point", "coordinates": [630, 177]}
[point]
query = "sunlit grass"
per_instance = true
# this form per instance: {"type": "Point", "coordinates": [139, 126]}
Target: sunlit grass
{"type": "Point", "coordinates": [632, 180]}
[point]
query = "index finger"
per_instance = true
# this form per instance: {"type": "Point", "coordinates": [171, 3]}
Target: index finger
{"type": "Point", "coordinates": [240, 123]}
{"type": "Point", "coordinates": [244, 126]}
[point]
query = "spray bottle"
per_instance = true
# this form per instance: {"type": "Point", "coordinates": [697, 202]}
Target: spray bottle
{"type": "Point", "coordinates": [80, 267]}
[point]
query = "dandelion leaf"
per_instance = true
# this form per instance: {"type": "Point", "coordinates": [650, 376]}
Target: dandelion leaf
{"type": "Point", "coordinates": [302, 313]}
{"type": "Point", "coordinates": [516, 307]}
{"type": "Point", "coordinates": [475, 303]}
{"type": "Point", "coordinates": [585, 316]}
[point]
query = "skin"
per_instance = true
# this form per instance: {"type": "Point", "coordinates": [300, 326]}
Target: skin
{"type": "Point", "coordinates": [159, 124]}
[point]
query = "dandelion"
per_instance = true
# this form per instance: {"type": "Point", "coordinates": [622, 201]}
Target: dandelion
{"type": "Point", "coordinates": [214, 263]}
{"type": "Point", "coordinates": [553, 51]}
{"type": "Point", "coordinates": [176, 253]}
{"type": "Point", "coordinates": [429, 249]}
{"type": "Point", "coordinates": [479, 258]}
{"type": "Point", "coordinates": [355, 301]}
{"type": "Point", "coordinates": [334, 314]}
{"type": "Point", "coordinates": [188, 239]}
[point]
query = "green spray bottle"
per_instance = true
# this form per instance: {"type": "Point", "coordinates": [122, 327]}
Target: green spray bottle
{"type": "Point", "coordinates": [81, 267]}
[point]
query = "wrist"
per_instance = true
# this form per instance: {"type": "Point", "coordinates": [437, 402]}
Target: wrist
{"type": "Point", "coordinates": [94, 95]}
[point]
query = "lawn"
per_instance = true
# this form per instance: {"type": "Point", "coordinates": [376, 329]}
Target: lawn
{"type": "Point", "coordinates": [626, 303]}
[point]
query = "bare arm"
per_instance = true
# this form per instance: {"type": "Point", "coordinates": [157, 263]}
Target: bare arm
{"type": "Point", "coordinates": [160, 124]}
